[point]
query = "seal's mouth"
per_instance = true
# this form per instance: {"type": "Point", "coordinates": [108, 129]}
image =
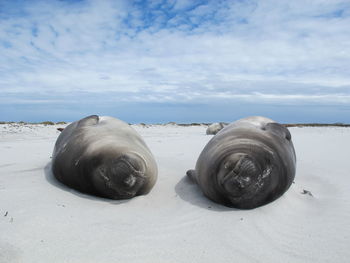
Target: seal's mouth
{"type": "Point", "coordinates": [241, 176]}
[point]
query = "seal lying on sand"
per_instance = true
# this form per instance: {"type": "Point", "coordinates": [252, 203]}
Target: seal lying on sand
{"type": "Point", "coordinates": [214, 128]}
{"type": "Point", "coordinates": [104, 156]}
{"type": "Point", "coordinates": [249, 163]}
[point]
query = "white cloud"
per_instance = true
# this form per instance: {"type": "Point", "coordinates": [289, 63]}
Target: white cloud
{"type": "Point", "coordinates": [263, 50]}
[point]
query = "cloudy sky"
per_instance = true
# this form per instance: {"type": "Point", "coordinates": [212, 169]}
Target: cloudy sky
{"type": "Point", "coordinates": [175, 60]}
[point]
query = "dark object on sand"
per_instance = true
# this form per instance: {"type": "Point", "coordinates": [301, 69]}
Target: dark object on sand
{"type": "Point", "coordinates": [105, 157]}
{"type": "Point", "coordinates": [306, 192]}
{"type": "Point", "coordinates": [249, 163]}
{"type": "Point", "coordinates": [215, 128]}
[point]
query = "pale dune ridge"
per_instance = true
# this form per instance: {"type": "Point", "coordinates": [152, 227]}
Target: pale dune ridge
{"type": "Point", "coordinates": [43, 221]}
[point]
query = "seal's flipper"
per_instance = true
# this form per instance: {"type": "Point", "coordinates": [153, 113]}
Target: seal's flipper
{"type": "Point", "coordinates": [89, 121]}
{"type": "Point", "coordinates": [279, 129]}
{"type": "Point", "coordinates": [192, 175]}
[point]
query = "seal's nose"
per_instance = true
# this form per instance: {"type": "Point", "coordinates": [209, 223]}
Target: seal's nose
{"type": "Point", "coordinates": [129, 180]}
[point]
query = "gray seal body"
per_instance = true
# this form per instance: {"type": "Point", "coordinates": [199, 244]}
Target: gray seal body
{"type": "Point", "coordinates": [214, 128]}
{"type": "Point", "coordinates": [249, 163]}
{"type": "Point", "coordinates": [105, 157]}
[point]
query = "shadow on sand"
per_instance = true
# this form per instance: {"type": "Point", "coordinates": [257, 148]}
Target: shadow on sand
{"type": "Point", "coordinates": [190, 192]}
{"type": "Point", "coordinates": [53, 181]}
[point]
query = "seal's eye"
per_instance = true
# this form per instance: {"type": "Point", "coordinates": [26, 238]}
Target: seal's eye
{"type": "Point", "coordinates": [103, 173]}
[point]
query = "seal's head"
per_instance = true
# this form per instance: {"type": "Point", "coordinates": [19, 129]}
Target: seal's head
{"type": "Point", "coordinates": [242, 177]}
{"type": "Point", "coordinates": [120, 178]}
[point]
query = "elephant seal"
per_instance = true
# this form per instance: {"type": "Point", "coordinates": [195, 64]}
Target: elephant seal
{"type": "Point", "coordinates": [104, 156]}
{"type": "Point", "coordinates": [249, 163]}
{"type": "Point", "coordinates": [214, 128]}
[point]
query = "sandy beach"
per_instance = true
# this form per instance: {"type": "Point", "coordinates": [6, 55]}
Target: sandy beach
{"type": "Point", "coordinates": [44, 221]}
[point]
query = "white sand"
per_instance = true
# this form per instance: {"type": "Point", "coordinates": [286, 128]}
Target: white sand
{"type": "Point", "coordinates": [43, 221]}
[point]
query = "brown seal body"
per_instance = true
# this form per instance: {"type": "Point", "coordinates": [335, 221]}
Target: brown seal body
{"type": "Point", "coordinates": [105, 157]}
{"type": "Point", "coordinates": [249, 163]}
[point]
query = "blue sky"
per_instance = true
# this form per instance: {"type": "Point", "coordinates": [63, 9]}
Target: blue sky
{"type": "Point", "coordinates": [176, 60]}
